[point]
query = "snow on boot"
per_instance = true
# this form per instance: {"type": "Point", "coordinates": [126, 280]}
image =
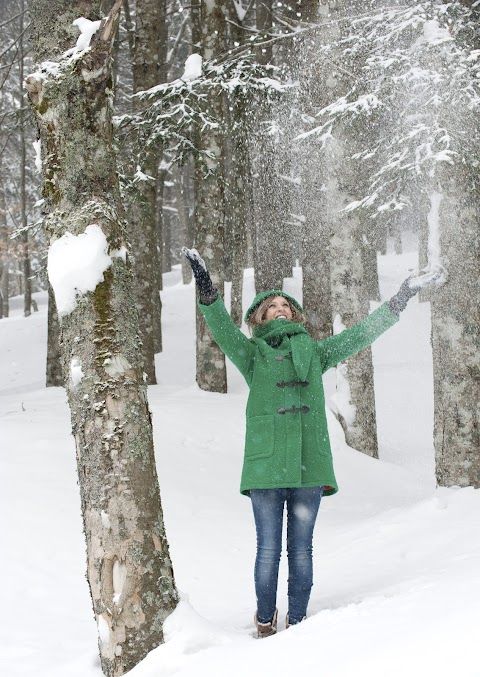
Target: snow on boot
{"type": "Point", "coordinates": [266, 629]}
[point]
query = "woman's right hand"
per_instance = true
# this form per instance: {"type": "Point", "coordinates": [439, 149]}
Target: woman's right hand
{"type": "Point", "coordinates": [207, 291]}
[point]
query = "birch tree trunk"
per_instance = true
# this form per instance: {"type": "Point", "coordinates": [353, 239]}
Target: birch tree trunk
{"type": "Point", "coordinates": [128, 564]}
{"type": "Point", "coordinates": [209, 203]}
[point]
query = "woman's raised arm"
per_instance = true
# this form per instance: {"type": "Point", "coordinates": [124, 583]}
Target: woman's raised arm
{"type": "Point", "coordinates": [349, 342]}
{"type": "Point", "coordinates": [233, 342]}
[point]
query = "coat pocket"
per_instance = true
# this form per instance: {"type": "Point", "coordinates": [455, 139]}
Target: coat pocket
{"type": "Point", "coordinates": [320, 430]}
{"type": "Point", "coordinates": [260, 437]}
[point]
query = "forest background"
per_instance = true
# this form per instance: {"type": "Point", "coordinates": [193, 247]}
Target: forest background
{"type": "Point", "coordinates": [270, 136]}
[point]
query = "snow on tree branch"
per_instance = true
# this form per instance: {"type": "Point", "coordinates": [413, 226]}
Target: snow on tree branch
{"type": "Point", "coordinates": [174, 109]}
{"type": "Point", "coordinates": [419, 77]}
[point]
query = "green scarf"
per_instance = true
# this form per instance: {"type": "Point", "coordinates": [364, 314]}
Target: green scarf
{"type": "Point", "coordinates": [288, 336]}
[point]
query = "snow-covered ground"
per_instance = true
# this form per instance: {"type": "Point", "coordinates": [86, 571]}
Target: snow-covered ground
{"type": "Point", "coordinates": [397, 562]}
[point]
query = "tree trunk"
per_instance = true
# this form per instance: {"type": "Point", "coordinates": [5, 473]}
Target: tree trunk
{"type": "Point", "coordinates": [238, 173]}
{"type": "Point", "coordinates": [196, 26]}
{"type": "Point", "coordinates": [184, 220]}
{"type": "Point", "coordinates": [165, 225]}
{"type": "Point", "coordinates": [316, 267]}
{"type": "Point", "coordinates": [312, 171]}
{"type": "Point", "coordinates": [455, 330]}
{"type": "Point", "coordinates": [238, 190]}
{"type": "Point", "coordinates": [369, 244]}
{"type": "Point", "coordinates": [349, 299]}
{"type": "Point", "coordinates": [263, 20]}
{"type": "Point", "coordinates": [350, 289]}
{"type": "Point", "coordinates": [209, 205]}
{"type": "Point", "coordinates": [54, 364]}
{"type": "Point", "coordinates": [271, 244]}
{"type": "Point", "coordinates": [128, 564]}
{"type": "Point", "coordinates": [316, 254]}
{"type": "Point", "coordinates": [3, 288]}
{"type": "Point", "coordinates": [27, 289]}
{"type": "Point", "coordinates": [4, 253]}
{"type": "Point", "coordinates": [148, 70]}
{"type": "Point", "coordinates": [161, 34]}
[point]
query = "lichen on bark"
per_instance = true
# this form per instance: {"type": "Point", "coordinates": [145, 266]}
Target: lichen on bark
{"type": "Point", "coordinates": [111, 422]}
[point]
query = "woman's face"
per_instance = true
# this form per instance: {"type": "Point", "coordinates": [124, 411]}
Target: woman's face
{"type": "Point", "coordinates": [278, 308]}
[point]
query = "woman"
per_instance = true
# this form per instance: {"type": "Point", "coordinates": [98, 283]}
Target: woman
{"type": "Point", "coordinates": [287, 459]}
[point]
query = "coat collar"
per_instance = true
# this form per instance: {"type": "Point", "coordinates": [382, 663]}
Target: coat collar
{"type": "Point", "coordinates": [288, 336]}
{"type": "Point", "coordinates": [273, 331]}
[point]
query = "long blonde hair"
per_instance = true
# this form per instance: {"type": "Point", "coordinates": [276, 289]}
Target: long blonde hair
{"type": "Point", "coordinates": [257, 316]}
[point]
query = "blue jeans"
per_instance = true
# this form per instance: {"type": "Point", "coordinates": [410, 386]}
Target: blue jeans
{"type": "Point", "coordinates": [302, 509]}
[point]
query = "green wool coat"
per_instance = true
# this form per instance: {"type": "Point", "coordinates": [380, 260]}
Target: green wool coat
{"type": "Point", "coordinates": [286, 441]}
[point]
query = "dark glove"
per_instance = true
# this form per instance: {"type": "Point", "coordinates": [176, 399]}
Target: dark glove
{"type": "Point", "coordinates": [413, 284]}
{"type": "Point", "coordinates": [399, 302]}
{"type": "Point", "coordinates": [206, 290]}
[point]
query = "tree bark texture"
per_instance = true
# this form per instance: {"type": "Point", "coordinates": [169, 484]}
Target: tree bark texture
{"type": "Point", "coordinates": [27, 288]}
{"type": "Point", "coordinates": [4, 284]}
{"type": "Point", "coordinates": [348, 275]}
{"type": "Point", "coordinates": [4, 253]}
{"type": "Point", "coordinates": [311, 170]}
{"type": "Point", "coordinates": [316, 263]}
{"type": "Point", "coordinates": [128, 565]}
{"type": "Point", "coordinates": [149, 69]}
{"type": "Point", "coordinates": [271, 246]}
{"type": "Point", "coordinates": [238, 173]}
{"type": "Point", "coordinates": [238, 189]}
{"type": "Point", "coordinates": [271, 242]}
{"type": "Point", "coordinates": [263, 20]}
{"type": "Point", "coordinates": [182, 181]}
{"type": "Point", "coordinates": [349, 299]}
{"type": "Point", "coordinates": [209, 205]}
{"type": "Point", "coordinates": [196, 26]}
{"type": "Point", "coordinates": [456, 334]}
{"type": "Point", "coordinates": [54, 364]}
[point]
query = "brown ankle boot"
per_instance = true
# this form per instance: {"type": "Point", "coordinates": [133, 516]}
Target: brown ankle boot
{"type": "Point", "coordinates": [266, 629]}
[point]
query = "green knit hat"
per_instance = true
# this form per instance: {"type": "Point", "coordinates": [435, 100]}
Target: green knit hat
{"type": "Point", "coordinates": [264, 295]}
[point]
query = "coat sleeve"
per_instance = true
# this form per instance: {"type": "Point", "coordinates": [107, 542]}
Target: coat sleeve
{"type": "Point", "coordinates": [236, 346]}
{"type": "Point", "coordinates": [349, 342]}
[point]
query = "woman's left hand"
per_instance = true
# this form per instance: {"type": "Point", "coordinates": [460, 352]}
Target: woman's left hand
{"type": "Point", "coordinates": [411, 286]}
